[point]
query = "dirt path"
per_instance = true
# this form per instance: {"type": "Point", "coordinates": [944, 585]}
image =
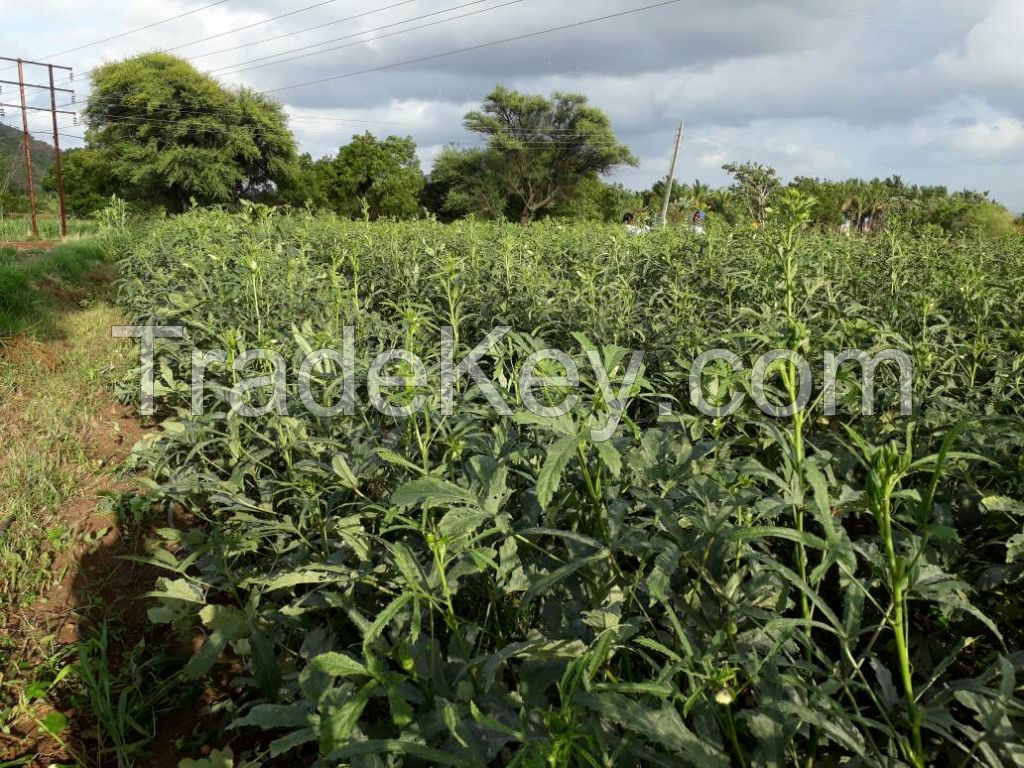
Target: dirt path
{"type": "Point", "coordinates": [90, 569]}
{"type": "Point", "coordinates": [62, 537]}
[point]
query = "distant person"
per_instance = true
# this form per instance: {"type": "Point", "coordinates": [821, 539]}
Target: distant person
{"type": "Point", "coordinates": [631, 226]}
{"type": "Point", "coordinates": [698, 222]}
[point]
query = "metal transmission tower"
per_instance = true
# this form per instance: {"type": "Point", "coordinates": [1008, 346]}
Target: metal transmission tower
{"type": "Point", "coordinates": [27, 135]}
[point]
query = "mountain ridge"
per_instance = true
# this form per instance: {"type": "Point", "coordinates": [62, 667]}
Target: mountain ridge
{"type": "Point", "coordinates": [12, 161]}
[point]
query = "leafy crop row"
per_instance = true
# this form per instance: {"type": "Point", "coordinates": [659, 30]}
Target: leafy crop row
{"type": "Point", "coordinates": [478, 589]}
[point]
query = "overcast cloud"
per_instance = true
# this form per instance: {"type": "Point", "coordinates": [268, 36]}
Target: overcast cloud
{"type": "Point", "coordinates": [932, 90]}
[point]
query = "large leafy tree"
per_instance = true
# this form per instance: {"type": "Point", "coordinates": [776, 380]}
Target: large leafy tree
{"type": "Point", "coordinates": [464, 182]}
{"type": "Point", "coordinates": [172, 134]}
{"type": "Point", "coordinates": [539, 150]}
{"type": "Point", "coordinates": [381, 177]}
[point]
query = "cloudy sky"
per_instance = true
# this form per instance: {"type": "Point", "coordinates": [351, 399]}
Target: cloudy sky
{"type": "Point", "coordinates": [932, 90]}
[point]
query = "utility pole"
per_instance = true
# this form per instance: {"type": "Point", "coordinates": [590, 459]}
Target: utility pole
{"type": "Point", "coordinates": [27, 136]}
{"type": "Point", "coordinates": [670, 180]}
{"type": "Point", "coordinates": [26, 142]}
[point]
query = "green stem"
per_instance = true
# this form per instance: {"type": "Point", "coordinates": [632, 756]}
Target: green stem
{"type": "Point", "coordinates": [730, 728]}
{"type": "Point", "coordinates": [898, 622]}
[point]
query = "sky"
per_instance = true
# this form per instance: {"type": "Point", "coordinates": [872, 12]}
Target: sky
{"type": "Point", "coordinates": [931, 90]}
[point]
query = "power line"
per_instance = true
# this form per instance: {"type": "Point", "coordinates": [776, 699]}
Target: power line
{"type": "Point", "coordinates": [299, 118]}
{"type": "Point", "coordinates": [478, 47]}
{"type": "Point", "coordinates": [241, 66]}
{"type": "Point", "coordinates": [340, 121]}
{"type": "Point", "coordinates": [301, 31]}
{"type": "Point", "coordinates": [534, 141]}
{"type": "Point", "coordinates": [250, 26]}
{"type": "Point", "coordinates": [137, 29]}
{"type": "Point", "coordinates": [199, 128]}
{"type": "Point", "coordinates": [538, 136]}
{"type": "Point", "coordinates": [329, 119]}
{"type": "Point", "coordinates": [271, 39]}
{"type": "Point", "coordinates": [258, 130]}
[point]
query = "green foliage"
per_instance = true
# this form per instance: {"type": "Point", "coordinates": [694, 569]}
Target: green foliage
{"type": "Point", "coordinates": [88, 181]}
{"type": "Point", "coordinates": [122, 694]}
{"type": "Point", "coordinates": [22, 305]}
{"type": "Point", "coordinates": [367, 178]}
{"type": "Point", "coordinates": [902, 206]}
{"type": "Point", "coordinates": [538, 153]}
{"type": "Point", "coordinates": [463, 182]}
{"type": "Point", "coordinates": [13, 179]}
{"type": "Point", "coordinates": [170, 134]}
{"type": "Point", "coordinates": [753, 187]}
{"type": "Point", "coordinates": [597, 200]}
{"type": "Point", "coordinates": [978, 217]}
{"type": "Point", "coordinates": [478, 589]}
{"type": "Point", "coordinates": [381, 177]}
{"type": "Point", "coordinates": [310, 184]}
{"type": "Point", "coordinates": [16, 298]}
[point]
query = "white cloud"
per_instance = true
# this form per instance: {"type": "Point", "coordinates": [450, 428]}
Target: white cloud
{"type": "Point", "coordinates": [990, 53]}
{"type": "Point", "coordinates": [1001, 135]}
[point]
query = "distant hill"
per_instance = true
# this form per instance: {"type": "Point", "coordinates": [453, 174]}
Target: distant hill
{"type": "Point", "coordinates": [12, 153]}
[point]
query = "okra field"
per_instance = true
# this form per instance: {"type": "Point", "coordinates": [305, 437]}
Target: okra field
{"type": "Point", "coordinates": [483, 589]}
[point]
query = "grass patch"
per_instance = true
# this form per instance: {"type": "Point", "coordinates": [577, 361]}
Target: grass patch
{"type": "Point", "coordinates": [20, 228]}
{"type": "Point", "coordinates": [48, 399]}
{"type": "Point", "coordinates": [35, 285]}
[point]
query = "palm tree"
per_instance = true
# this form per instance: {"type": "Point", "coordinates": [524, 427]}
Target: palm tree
{"type": "Point", "coordinates": [700, 195]}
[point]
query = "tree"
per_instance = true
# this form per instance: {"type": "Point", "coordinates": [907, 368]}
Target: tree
{"type": "Point", "coordinates": [539, 150]}
{"type": "Point", "coordinates": [171, 134]}
{"type": "Point", "coordinates": [831, 196]}
{"type": "Point", "coordinates": [87, 181]}
{"type": "Point", "coordinates": [465, 182]}
{"type": "Point", "coordinates": [310, 184]}
{"type": "Point", "coordinates": [384, 176]}
{"type": "Point", "coordinates": [597, 200]}
{"type": "Point", "coordinates": [753, 185]}
{"type": "Point", "coordinates": [655, 196]}
{"type": "Point", "coordinates": [700, 195]}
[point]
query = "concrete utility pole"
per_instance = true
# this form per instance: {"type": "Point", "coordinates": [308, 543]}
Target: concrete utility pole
{"type": "Point", "coordinates": [27, 136]}
{"type": "Point", "coordinates": [670, 180]}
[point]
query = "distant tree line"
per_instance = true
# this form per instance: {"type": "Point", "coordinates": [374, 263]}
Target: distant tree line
{"type": "Point", "coordinates": [164, 136]}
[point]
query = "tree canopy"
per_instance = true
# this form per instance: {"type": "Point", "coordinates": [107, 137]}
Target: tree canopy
{"type": "Point", "coordinates": [753, 186]}
{"type": "Point", "coordinates": [382, 177]}
{"type": "Point", "coordinates": [539, 150]}
{"type": "Point", "coordinates": [379, 178]}
{"type": "Point", "coordinates": [171, 134]}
